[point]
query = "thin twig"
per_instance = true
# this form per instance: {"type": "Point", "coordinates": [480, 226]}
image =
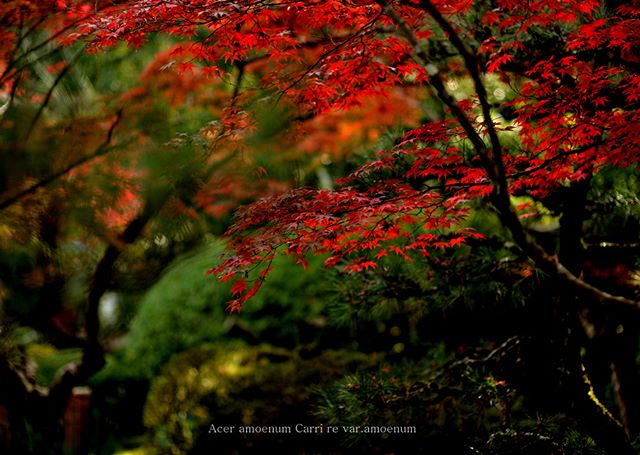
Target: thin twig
{"type": "Point", "coordinates": [63, 72]}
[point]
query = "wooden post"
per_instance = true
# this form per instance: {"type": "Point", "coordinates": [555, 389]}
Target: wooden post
{"type": "Point", "coordinates": [76, 422]}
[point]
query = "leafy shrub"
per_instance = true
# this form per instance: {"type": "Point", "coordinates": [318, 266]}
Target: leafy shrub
{"type": "Point", "coordinates": [186, 308]}
{"type": "Point", "coordinates": [239, 385]}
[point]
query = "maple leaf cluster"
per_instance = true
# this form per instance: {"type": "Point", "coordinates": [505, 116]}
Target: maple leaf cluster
{"type": "Point", "coordinates": [20, 22]}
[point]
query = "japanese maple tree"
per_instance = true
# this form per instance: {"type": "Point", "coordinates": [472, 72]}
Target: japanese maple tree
{"type": "Point", "coordinates": [554, 101]}
{"type": "Point", "coordinates": [573, 111]}
{"type": "Point", "coordinates": [568, 108]}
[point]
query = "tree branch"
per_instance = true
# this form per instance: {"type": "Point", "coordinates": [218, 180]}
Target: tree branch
{"type": "Point", "coordinates": [63, 72]}
{"type": "Point", "coordinates": [472, 64]}
{"type": "Point", "coordinates": [103, 149]}
{"type": "Point", "coordinates": [436, 82]}
{"type": "Point", "coordinates": [93, 352]}
{"type": "Point", "coordinates": [493, 164]}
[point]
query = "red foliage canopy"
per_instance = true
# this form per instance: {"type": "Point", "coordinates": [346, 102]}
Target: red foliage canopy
{"type": "Point", "coordinates": [573, 66]}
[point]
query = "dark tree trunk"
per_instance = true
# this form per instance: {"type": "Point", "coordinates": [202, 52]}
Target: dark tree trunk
{"type": "Point", "coordinates": [602, 425]}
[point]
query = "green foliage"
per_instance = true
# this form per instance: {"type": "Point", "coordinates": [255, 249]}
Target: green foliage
{"type": "Point", "coordinates": [187, 307]}
{"type": "Point", "coordinates": [457, 406]}
{"type": "Point", "coordinates": [235, 384]}
{"type": "Point", "coordinates": [49, 360]}
{"type": "Point", "coordinates": [404, 395]}
{"type": "Point", "coordinates": [9, 348]}
{"type": "Point", "coordinates": [471, 290]}
{"type": "Point", "coordinates": [208, 366]}
{"type": "Point", "coordinates": [615, 206]}
{"type": "Point", "coordinates": [183, 309]}
{"type": "Point", "coordinates": [16, 299]}
{"type": "Point", "coordinates": [119, 395]}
